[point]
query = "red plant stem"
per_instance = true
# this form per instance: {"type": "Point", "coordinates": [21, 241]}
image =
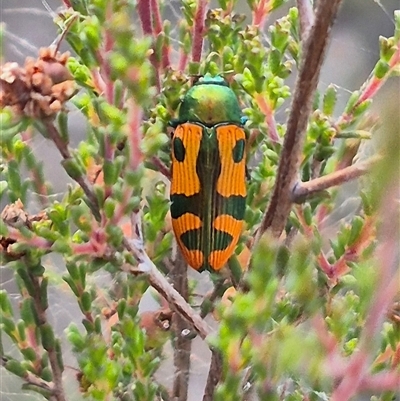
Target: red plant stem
{"type": "Point", "coordinates": [371, 87]}
{"type": "Point", "coordinates": [135, 114]}
{"type": "Point", "coordinates": [260, 13]}
{"type": "Point", "coordinates": [105, 72]}
{"type": "Point", "coordinates": [306, 189]}
{"type": "Point", "coordinates": [157, 23]}
{"type": "Point", "coordinates": [143, 8]}
{"type": "Point", "coordinates": [162, 168]}
{"type": "Point", "coordinates": [120, 209]}
{"type": "Point", "coordinates": [144, 11]}
{"type": "Point", "coordinates": [354, 376]}
{"type": "Point", "coordinates": [381, 382]}
{"type": "Point", "coordinates": [157, 29]}
{"type": "Point", "coordinates": [198, 30]}
{"type": "Point", "coordinates": [375, 83]}
{"type": "Point", "coordinates": [34, 241]}
{"type": "Point", "coordinates": [266, 108]}
{"type": "Point", "coordinates": [183, 60]}
{"type": "Point", "coordinates": [98, 81]}
{"type": "Point", "coordinates": [324, 265]}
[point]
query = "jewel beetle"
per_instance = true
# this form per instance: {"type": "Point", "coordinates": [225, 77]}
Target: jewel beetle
{"type": "Point", "coordinates": [208, 174]}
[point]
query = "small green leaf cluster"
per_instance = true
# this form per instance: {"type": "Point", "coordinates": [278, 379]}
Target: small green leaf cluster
{"type": "Point", "coordinates": [31, 333]}
{"type": "Point", "coordinates": [117, 366]}
{"type": "Point", "coordinates": [273, 309]}
{"type": "Point", "coordinates": [16, 158]}
{"type": "Point", "coordinates": [270, 337]}
{"type": "Point", "coordinates": [155, 213]}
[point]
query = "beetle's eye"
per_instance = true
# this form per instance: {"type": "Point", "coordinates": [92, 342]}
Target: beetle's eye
{"type": "Point", "coordinates": [170, 131]}
{"type": "Point", "coordinates": [238, 151]}
{"type": "Point", "coordinates": [179, 149]}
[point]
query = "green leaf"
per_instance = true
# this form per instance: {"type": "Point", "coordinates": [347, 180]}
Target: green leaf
{"type": "Point", "coordinates": [16, 367]}
{"type": "Point", "coordinates": [29, 353]}
{"type": "Point", "coordinates": [86, 302]}
{"type": "Point", "coordinates": [329, 101]}
{"type": "Point", "coordinates": [73, 168]}
{"type": "Point", "coordinates": [47, 335]}
{"type": "Point", "coordinates": [5, 304]}
{"type": "Point", "coordinates": [356, 226]}
{"type": "Point", "coordinates": [381, 69]}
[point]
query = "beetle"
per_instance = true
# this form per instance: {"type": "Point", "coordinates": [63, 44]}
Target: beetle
{"type": "Point", "coordinates": [208, 174]}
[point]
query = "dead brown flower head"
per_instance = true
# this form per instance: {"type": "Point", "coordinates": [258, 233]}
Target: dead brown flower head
{"type": "Point", "coordinates": [40, 88]}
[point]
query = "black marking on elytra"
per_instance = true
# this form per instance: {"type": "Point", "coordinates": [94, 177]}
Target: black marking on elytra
{"type": "Point", "coordinates": [191, 238]}
{"type": "Point", "coordinates": [182, 204]}
{"type": "Point", "coordinates": [179, 149]}
{"type": "Point", "coordinates": [222, 240]}
{"type": "Point", "coordinates": [238, 151]}
{"type": "Point", "coordinates": [234, 205]}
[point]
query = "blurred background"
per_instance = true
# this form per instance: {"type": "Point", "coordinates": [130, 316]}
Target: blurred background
{"type": "Point", "coordinates": [351, 57]}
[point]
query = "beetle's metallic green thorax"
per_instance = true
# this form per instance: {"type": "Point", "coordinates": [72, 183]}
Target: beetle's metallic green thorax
{"type": "Point", "coordinates": [210, 101]}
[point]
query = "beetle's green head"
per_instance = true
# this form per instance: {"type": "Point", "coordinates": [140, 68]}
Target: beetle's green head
{"type": "Point", "coordinates": [210, 101]}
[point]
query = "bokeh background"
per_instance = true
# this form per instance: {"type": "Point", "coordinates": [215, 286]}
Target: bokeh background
{"type": "Point", "coordinates": [352, 55]}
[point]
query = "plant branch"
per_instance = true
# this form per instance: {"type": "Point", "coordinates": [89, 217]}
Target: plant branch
{"type": "Point", "coordinates": [182, 344]}
{"type": "Point", "coordinates": [160, 283]}
{"type": "Point", "coordinates": [161, 167]}
{"type": "Point", "coordinates": [316, 43]}
{"type": "Point", "coordinates": [305, 190]}
{"type": "Point", "coordinates": [214, 376]}
{"type": "Point", "coordinates": [306, 14]}
{"type": "Point", "coordinates": [40, 308]}
{"type": "Point", "coordinates": [31, 378]}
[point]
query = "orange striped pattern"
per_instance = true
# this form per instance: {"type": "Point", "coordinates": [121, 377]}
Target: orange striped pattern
{"type": "Point", "coordinates": [186, 222]}
{"type": "Point", "coordinates": [230, 225]}
{"type": "Point", "coordinates": [230, 181]}
{"type": "Point", "coordinates": [184, 176]}
{"type": "Point", "coordinates": [194, 258]}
